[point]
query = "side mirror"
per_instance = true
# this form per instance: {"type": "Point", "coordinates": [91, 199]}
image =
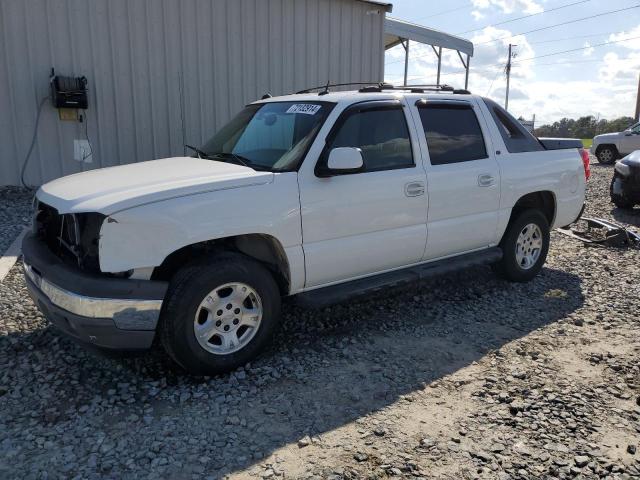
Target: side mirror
{"type": "Point", "coordinates": [345, 160]}
{"type": "Point", "coordinates": [628, 134]}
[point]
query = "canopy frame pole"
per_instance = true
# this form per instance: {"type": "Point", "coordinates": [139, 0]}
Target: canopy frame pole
{"type": "Point", "coordinates": [466, 68]}
{"type": "Point", "coordinates": [438, 53]}
{"type": "Point", "coordinates": [405, 44]}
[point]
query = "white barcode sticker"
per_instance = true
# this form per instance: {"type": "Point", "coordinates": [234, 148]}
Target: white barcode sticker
{"type": "Point", "coordinates": [306, 108]}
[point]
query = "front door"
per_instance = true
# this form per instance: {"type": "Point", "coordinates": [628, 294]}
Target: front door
{"type": "Point", "coordinates": [630, 140]}
{"type": "Point", "coordinates": [463, 178]}
{"type": "Point", "coordinates": [372, 220]}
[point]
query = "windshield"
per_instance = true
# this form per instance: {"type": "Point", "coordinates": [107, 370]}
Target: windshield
{"type": "Point", "coordinates": [269, 136]}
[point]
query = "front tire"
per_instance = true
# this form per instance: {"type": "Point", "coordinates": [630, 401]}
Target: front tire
{"type": "Point", "coordinates": [524, 246]}
{"type": "Point", "coordinates": [607, 155]}
{"type": "Point", "coordinates": [219, 313]}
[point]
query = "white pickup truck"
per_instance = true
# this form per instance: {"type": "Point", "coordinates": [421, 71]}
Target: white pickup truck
{"type": "Point", "coordinates": [314, 196]}
{"type": "Point", "coordinates": [609, 147]}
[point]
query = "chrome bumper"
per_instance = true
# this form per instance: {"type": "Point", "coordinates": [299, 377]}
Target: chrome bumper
{"type": "Point", "coordinates": [127, 314]}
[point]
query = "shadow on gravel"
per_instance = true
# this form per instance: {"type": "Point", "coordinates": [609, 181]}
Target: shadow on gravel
{"type": "Point", "coordinates": [327, 368]}
{"type": "Point", "coordinates": [627, 215]}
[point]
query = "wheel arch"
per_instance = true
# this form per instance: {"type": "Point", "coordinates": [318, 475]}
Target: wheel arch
{"type": "Point", "coordinates": [263, 248]}
{"type": "Point", "coordinates": [543, 200]}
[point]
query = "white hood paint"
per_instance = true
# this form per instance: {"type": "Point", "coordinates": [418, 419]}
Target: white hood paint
{"type": "Point", "coordinates": [113, 189]}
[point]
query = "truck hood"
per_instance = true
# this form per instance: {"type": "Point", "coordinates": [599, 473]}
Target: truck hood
{"type": "Point", "coordinates": [110, 190]}
{"type": "Point", "coordinates": [606, 137]}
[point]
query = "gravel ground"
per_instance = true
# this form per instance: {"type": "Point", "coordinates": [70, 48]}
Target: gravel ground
{"type": "Point", "coordinates": [466, 376]}
{"type": "Point", "coordinates": [15, 213]}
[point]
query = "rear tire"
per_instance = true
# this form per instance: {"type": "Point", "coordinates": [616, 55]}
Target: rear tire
{"type": "Point", "coordinates": [607, 154]}
{"type": "Point", "coordinates": [198, 327]}
{"type": "Point", "coordinates": [524, 246]}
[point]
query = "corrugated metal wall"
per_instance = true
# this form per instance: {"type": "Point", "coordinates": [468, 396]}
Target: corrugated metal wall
{"type": "Point", "coordinates": [165, 72]}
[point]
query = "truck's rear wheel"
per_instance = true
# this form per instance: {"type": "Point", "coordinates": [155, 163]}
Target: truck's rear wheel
{"type": "Point", "coordinates": [219, 314]}
{"type": "Point", "coordinates": [606, 154]}
{"type": "Point", "coordinates": [524, 246]}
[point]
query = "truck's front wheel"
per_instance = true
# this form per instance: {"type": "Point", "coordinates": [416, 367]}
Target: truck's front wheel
{"type": "Point", "coordinates": [219, 313]}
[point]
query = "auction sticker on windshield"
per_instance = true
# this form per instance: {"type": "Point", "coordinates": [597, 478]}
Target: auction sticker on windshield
{"type": "Point", "coordinates": [306, 108]}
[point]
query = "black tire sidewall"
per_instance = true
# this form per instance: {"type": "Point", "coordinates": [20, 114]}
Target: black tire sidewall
{"type": "Point", "coordinates": [509, 267]}
{"type": "Point", "coordinates": [613, 155]}
{"type": "Point", "coordinates": [190, 287]}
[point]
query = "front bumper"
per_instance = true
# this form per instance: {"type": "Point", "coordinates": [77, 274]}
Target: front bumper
{"type": "Point", "coordinates": [105, 312]}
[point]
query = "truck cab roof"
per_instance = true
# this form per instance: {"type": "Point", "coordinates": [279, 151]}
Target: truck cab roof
{"type": "Point", "coordinates": [366, 94]}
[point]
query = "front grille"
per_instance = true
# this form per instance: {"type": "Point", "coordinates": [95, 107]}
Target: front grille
{"type": "Point", "coordinates": [72, 237]}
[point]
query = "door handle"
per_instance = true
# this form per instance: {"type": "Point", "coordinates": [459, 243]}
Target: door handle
{"type": "Point", "coordinates": [486, 180]}
{"type": "Point", "coordinates": [414, 189]}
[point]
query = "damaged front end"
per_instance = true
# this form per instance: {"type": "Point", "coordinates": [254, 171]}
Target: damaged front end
{"type": "Point", "coordinates": [72, 237]}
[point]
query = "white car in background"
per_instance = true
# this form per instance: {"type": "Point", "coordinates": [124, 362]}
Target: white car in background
{"type": "Point", "coordinates": [610, 146]}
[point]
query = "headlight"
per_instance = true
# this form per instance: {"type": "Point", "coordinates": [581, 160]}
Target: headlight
{"type": "Point", "coordinates": [622, 169]}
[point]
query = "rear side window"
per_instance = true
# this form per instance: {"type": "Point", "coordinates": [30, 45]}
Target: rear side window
{"type": "Point", "coordinates": [516, 138]}
{"type": "Point", "coordinates": [453, 133]}
{"type": "Point", "coordinates": [381, 133]}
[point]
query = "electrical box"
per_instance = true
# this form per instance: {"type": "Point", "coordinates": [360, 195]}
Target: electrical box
{"type": "Point", "coordinates": [69, 92]}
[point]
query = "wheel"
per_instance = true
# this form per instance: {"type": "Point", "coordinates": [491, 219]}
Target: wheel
{"type": "Point", "coordinates": [524, 247]}
{"type": "Point", "coordinates": [219, 313]}
{"type": "Point", "coordinates": [616, 193]}
{"type": "Point", "coordinates": [607, 155]}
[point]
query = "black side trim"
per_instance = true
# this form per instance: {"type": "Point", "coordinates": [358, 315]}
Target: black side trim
{"type": "Point", "coordinates": [516, 138]}
{"type": "Point", "coordinates": [36, 254]}
{"type": "Point", "coordinates": [339, 293]}
{"type": "Point", "coordinates": [560, 143]}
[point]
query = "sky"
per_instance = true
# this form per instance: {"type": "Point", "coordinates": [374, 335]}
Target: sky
{"type": "Point", "coordinates": [595, 79]}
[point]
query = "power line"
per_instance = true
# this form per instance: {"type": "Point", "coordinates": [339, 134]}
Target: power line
{"type": "Point", "coordinates": [554, 53]}
{"type": "Point", "coordinates": [526, 16]}
{"type": "Point", "coordinates": [559, 24]}
{"type": "Point", "coordinates": [575, 49]}
{"type": "Point", "coordinates": [576, 37]}
{"type": "Point", "coordinates": [444, 12]}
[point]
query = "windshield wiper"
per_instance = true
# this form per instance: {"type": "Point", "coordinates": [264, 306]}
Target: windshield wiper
{"type": "Point", "coordinates": [239, 159]}
{"type": "Point", "coordinates": [200, 153]}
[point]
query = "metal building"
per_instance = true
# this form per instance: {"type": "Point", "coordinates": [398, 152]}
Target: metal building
{"type": "Point", "coordinates": [162, 73]}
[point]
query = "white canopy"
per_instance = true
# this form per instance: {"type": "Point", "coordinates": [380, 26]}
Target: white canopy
{"type": "Point", "coordinates": [399, 32]}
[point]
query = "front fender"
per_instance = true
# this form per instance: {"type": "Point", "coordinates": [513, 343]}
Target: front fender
{"type": "Point", "coordinates": [143, 236]}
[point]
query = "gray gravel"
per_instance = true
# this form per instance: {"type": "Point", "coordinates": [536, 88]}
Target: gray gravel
{"type": "Point", "coordinates": [15, 212]}
{"type": "Point", "coordinates": [465, 376]}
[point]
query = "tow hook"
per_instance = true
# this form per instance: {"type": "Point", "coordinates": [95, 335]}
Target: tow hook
{"type": "Point", "coordinates": [600, 232]}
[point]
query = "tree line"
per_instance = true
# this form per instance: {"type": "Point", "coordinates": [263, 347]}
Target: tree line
{"type": "Point", "coordinates": [583, 127]}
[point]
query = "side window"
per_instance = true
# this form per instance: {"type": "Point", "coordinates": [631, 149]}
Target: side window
{"type": "Point", "coordinates": [516, 138]}
{"type": "Point", "coordinates": [381, 133]}
{"type": "Point", "coordinates": [453, 133]}
{"type": "Point", "coordinates": [636, 128]}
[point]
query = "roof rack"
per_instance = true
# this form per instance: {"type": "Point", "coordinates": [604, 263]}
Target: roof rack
{"type": "Point", "coordinates": [382, 86]}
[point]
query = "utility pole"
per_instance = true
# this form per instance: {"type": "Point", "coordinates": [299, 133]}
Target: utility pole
{"type": "Point", "coordinates": [507, 70]}
{"type": "Point", "coordinates": [638, 101]}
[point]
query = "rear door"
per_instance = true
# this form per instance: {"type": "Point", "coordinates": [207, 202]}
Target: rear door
{"type": "Point", "coordinates": [463, 177]}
